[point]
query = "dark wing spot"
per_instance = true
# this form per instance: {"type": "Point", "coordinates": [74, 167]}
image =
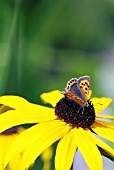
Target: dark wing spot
{"type": "Point", "coordinates": [85, 92]}
{"type": "Point", "coordinates": [87, 84]}
{"type": "Point", "coordinates": [80, 86]}
{"type": "Point", "coordinates": [86, 88]}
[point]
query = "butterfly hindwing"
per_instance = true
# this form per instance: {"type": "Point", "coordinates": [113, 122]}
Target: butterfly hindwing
{"type": "Point", "coordinates": [74, 97]}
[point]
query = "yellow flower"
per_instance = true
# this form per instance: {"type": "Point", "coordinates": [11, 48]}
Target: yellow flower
{"type": "Point", "coordinates": [6, 139]}
{"type": "Point", "coordinates": [5, 142]}
{"type": "Point", "coordinates": [58, 123]}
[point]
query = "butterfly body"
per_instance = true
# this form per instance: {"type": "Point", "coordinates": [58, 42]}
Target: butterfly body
{"type": "Point", "coordinates": [78, 90]}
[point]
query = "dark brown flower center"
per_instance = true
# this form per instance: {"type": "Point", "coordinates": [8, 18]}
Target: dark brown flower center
{"type": "Point", "coordinates": [72, 113]}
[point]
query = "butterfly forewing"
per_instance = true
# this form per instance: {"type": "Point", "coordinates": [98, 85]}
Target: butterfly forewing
{"type": "Point", "coordinates": [84, 86]}
{"type": "Point", "coordinates": [72, 86]}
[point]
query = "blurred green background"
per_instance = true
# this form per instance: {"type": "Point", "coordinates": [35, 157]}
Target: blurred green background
{"type": "Point", "coordinates": [44, 43]}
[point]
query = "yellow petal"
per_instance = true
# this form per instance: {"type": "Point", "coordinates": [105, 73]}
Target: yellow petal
{"type": "Point", "coordinates": [46, 112]}
{"type": "Point", "coordinates": [20, 103]}
{"type": "Point", "coordinates": [52, 97]}
{"type": "Point", "coordinates": [101, 103]}
{"type": "Point", "coordinates": [88, 149]}
{"type": "Point", "coordinates": [105, 117]}
{"type": "Point", "coordinates": [100, 143]}
{"type": "Point", "coordinates": [16, 162]}
{"type": "Point", "coordinates": [46, 137]}
{"type": "Point", "coordinates": [65, 152]}
{"type": "Point", "coordinates": [15, 102]}
{"type": "Point", "coordinates": [19, 144]}
{"type": "Point", "coordinates": [5, 142]}
{"type": "Point", "coordinates": [18, 117]}
{"type": "Point", "coordinates": [38, 138]}
{"type": "Point", "coordinates": [90, 94]}
{"type": "Point", "coordinates": [106, 124]}
{"type": "Point", "coordinates": [103, 131]}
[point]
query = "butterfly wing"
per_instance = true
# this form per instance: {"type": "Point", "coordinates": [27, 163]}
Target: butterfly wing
{"type": "Point", "coordinates": [74, 97]}
{"type": "Point", "coordinates": [73, 91]}
{"type": "Point", "coordinates": [84, 86]}
{"type": "Point", "coordinates": [72, 85]}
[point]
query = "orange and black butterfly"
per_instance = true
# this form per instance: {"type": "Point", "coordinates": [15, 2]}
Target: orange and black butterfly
{"type": "Point", "coordinates": [78, 90]}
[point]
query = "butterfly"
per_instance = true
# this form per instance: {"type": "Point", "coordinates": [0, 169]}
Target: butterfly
{"type": "Point", "coordinates": [78, 90]}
